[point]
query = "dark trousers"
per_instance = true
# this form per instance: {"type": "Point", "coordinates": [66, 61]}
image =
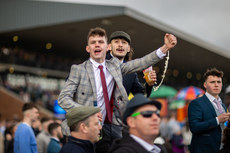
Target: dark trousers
{"type": "Point", "coordinates": [110, 132]}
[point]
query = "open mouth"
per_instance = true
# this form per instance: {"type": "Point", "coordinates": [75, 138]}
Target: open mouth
{"type": "Point", "coordinates": [97, 51]}
{"type": "Point", "coordinates": [120, 50]}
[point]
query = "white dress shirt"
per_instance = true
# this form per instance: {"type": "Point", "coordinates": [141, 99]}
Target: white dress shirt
{"type": "Point", "coordinates": [211, 99]}
{"type": "Point", "coordinates": [146, 145]}
{"type": "Point", "coordinates": [109, 82]}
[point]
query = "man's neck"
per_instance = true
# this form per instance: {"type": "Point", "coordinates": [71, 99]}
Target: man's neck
{"type": "Point", "coordinates": [97, 61]}
{"type": "Point", "coordinates": [78, 135]}
{"type": "Point", "coordinates": [55, 137]}
{"type": "Point", "coordinates": [215, 96]}
{"type": "Point", "coordinates": [148, 139]}
{"type": "Point", "coordinates": [27, 120]}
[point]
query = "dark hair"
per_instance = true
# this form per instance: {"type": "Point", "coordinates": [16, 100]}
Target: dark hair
{"type": "Point", "coordinates": [213, 72]}
{"type": "Point", "coordinates": [129, 55]}
{"type": "Point", "coordinates": [97, 31]}
{"type": "Point", "coordinates": [52, 127]}
{"type": "Point", "coordinates": [45, 119]}
{"type": "Point", "coordinates": [28, 106]}
{"type": "Point", "coordinates": [226, 135]}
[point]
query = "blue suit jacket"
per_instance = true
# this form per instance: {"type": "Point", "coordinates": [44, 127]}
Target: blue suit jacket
{"type": "Point", "coordinates": [206, 132]}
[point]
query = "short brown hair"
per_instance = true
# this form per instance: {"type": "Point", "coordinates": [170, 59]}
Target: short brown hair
{"type": "Point", "coordinates": [28, 106]}
{"type": "Point", "coordinates": [213, 72]}
{"type": "Point", "coordinates": [129, 55]}
{"type": "Point", "coordinates": [52, 127]}
{"type": "Point", "coordinates": [97, 31]}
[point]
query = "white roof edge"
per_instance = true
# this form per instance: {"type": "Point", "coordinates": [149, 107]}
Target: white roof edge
{"type": "Point", "coordinates": [183, 35]}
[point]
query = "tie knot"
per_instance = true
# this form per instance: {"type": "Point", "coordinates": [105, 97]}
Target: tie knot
{"type": "Point", "coordinates": [215, 101]}
{"type": "Point", "coordinates": [100, 67]}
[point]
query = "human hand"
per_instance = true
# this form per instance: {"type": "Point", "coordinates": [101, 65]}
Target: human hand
{"type": "Point", "coordinates": [152, 78]}
{"type": "Point", "coordinates": [223, 117]}
{"type": "Point", "coordinates": [170, 41]}
{"type": "Point", "coordinates": [99, 115]}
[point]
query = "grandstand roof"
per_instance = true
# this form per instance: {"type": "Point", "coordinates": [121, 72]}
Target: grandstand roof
{"type": "Point", "coordinates": [200, 26]}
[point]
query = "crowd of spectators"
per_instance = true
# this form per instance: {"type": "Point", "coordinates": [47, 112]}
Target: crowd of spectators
{"type": "Point", "coordinates": [31, 91]}
{"type": "Point", "coordinates": [18, 56]}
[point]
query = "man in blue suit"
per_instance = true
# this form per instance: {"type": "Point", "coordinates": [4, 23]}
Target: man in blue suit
{"type": "Point", "coordinates": [119, 46]}
{"type": "Point", "coordinates": [207, 115]}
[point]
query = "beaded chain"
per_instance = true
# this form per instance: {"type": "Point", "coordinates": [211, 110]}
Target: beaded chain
{"type": "Point", "coordinates": [164, 72]}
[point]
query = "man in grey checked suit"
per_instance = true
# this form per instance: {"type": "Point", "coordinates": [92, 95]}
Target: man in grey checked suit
{"type": "Point", "coordinates": [84, 79]}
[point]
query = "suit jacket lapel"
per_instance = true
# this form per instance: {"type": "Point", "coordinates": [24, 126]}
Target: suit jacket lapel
{"type": "Point", "coordinates": [209, 105]}
{"type": "Point", "coordinates": [89, 69]}
{"type": "Point", "coordinates": [114, 68]}
{"type": "Point", "coordinates": [115, 73]}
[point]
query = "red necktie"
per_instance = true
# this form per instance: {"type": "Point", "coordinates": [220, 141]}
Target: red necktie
{"type": "Point", "coordinates": [105, 94]}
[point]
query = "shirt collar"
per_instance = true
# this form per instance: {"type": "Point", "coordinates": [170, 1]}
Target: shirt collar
{"type": "Point", "coordinates": [146, 145]}
{"type": "Point", "coordinates": [211, 98]}
{"type": "Point", "coordinates": [27, 124]}
{"type": "Point", "coordinates": [97, 64]}
{"type": "Point", "coordinates": [55, 138]}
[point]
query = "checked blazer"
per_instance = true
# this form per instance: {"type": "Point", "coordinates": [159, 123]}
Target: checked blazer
{"type": "Point", "coordinates": [82, 82]}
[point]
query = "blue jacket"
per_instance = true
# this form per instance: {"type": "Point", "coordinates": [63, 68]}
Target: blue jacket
{"type": "Point", "coordinates": [75, 145]}
{"type": "Point", "coordinates": [53, 146]}
{"type": "Point", "coordinates": [206, 132]}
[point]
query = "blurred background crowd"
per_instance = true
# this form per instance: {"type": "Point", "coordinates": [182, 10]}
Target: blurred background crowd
{"type": "Point", "coordinates": [36, 57]}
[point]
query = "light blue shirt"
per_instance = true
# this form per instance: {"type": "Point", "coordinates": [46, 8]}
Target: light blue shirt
{"type": "Point", "coordinates": [24, 140]}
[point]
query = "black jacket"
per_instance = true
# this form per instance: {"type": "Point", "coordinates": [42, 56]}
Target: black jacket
{"type": "Point", "coordinates": [132, 83]}
{"type": "Point", "coordinates": [75, 145]}
{"type": "Point", "coordinates": [225, 150]}
{"type": "Point", "coordinates": [128, 145]}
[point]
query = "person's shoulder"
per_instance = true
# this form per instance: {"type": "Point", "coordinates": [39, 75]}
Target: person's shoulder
{"type": "Point", "coordinates": [113, 62]}
{"type": "Point", "coordinates": [70, 148]}
{"type": "Point", "coordinates": [42, 134]}
{"type": "Point", "coordinates": [81, 64]}
{"type": "Point", "coordinates": [80, 67]}
{"type": "Point", "coordinates": [23, 126]}
{"type": "Point", "coordinates": [123, 145]}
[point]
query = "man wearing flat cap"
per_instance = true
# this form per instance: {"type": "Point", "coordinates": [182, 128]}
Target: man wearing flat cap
{"type": "Point", "coordinates": [120, 47]}
{"type": "Point", "coordinates": [85, 130]}
{"type": "Point", "coordinates": [142, 116]}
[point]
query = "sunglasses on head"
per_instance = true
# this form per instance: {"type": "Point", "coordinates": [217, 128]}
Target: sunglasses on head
{"type": "Point", "coordinates": [146, 114]}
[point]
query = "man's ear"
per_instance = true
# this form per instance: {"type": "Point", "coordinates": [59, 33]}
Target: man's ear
{"type": "Point", "coordinates": [129, 49]}
{"type": "Point", "coordinates": [83, 128]}
{"type": "Point", "coordinates": [87, 49]}
{"type": "Point", "coordinates": [131, 122]}
{"type": "Point", "coordinates": [109, 47]}
{"type": "Point", "coordinates": [205, 85]}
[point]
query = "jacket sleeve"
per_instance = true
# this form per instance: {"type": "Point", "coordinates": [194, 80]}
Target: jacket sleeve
{"type": "Point", "coordinates": [148, 89]}
{"type": "Point", "coordinates": [65, 99]}
{"type": "Point", "coordinates": [139, 63]}
{"type": "Point", "coordinates": [200, 118]}
{"type": "Point", "coordinates": [137, 86]}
